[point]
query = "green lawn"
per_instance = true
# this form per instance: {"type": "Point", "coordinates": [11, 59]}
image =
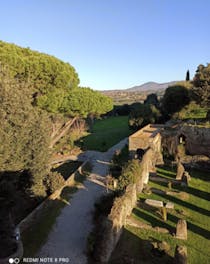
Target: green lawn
{"type": "Point", "coordinates": [191, 204]}
{"type": "Point", "coordinates": [106, 133]}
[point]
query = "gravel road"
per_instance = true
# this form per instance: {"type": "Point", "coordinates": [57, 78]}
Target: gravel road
{"type": "Point", "coordinates": [68, 237]}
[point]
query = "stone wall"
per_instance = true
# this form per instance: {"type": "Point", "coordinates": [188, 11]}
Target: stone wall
{"type": "Point", "coordinates": [147, 137]}
{"type": "Point", "coordinates": [123, 206]}
{"type": "Point", "coordinates": [197, 139]}
{"type": "Point", "coordinates": [113, 224]}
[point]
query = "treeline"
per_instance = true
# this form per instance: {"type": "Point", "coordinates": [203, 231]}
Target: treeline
{"type": "Point", "coordinates": [40, 100]}
{"type": "Point", "coordinates": [179, 100]}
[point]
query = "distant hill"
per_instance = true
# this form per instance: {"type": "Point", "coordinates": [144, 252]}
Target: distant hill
{"type": "Point", "coordinates": [150, 86]}
{"type": "Point", "coordinates": [137, 93]}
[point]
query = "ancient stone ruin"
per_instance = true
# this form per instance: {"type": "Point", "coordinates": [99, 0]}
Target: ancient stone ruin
{"type": "Point", "coordinates": [180, 171]}
{"type": "Point", "coordinates": [154, 203]}
{"type": "Point", "coordinates": [186, 178]}
{"type": "Point", "coordinates": [181, 229]}
{"type": "Point", "coordinates": [180, 256]}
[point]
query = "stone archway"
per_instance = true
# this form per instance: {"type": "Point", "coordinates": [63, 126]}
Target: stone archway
{"type": "Point", "coordinates": [182, 139]}
{"type": "Point", "coordinates": [140, 152]}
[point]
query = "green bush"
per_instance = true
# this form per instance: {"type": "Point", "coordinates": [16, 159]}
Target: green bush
{"type": "Point", "coordinates": [53, 182]}
{"type": "Point", "coordinates": [191, 111]}
{"type": "Point", "coordinates": [130, 173]}
{"type": "Point", "coordinates": [121, 156]}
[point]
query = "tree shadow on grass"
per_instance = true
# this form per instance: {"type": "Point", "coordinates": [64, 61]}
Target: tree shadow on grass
{"type": "Point", "coordinates": [185, 204]}
{"type": "Point", "coordinates": [201, 194]}
{"type": "Point", "coordinates": [188, 189]}
{"type": "Point", "coordinates": [167, 170]}
{"type": "Point", "coordinates": [192, 227]}
{"type": "Point", "coordinates": [152, 220]}
{"type": "Point", "coordinates": [133, 249]}
{"type": "Point", "coordinates": [164, 184]}
{"type": "Point", "coordinates": [202, 172]}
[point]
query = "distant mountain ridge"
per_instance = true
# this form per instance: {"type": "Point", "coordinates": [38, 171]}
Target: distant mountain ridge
{"type": "Point", "coordinates": [138, 93]}
{"type": "Point", "coordinates": [150, 86]}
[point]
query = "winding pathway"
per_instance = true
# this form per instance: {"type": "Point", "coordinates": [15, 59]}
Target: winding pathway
{"type": "Point", "coordinates": [68, 237]}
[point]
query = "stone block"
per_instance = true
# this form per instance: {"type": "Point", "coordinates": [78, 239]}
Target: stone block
{"type": "Point", "coordinates": [169, 205]}
{"type": "Point", "coordinates": [154, 203]}
{"type": "Point", "coordinates": [181, 229]}
{"type": "Point", "coordinates": [180, 171]}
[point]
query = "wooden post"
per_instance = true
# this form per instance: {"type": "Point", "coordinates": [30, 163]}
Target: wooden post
{"type": "Point", "coordinates": [164, 213]}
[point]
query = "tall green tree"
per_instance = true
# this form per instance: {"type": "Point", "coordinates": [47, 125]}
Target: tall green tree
{"type": "Point", "coordinates": [53, 87]}
{"type": "Point", "coordinates": [201, 85]}
{"type": "Point", "coordinates": [188, 75]}
{"type": "Point", "coordinates": [143, 114]}
{"type": "Point", "coordinates": [174, 99]}
{"type": "Point", "coordinates": [24, 133]}
{"type": "Point", "coordinates": [152, 99]}
{"type": "Point", "coordinates": [82, 102]}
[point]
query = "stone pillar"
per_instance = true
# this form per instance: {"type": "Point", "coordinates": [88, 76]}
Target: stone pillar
{"type": "Point", "coordinates": [186, 178]}
{"type": "Point", "coordinates": [164, 213]}
{"type": "Point", "coordinates": [181, 229]}
{"type": "Point", "coordinates": [180, 256]}
{"type": "Point", "coordinates": [180, 171]}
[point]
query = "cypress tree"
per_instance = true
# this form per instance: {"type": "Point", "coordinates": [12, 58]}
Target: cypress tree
{"type": "Point", "coordinates": [188, 75]}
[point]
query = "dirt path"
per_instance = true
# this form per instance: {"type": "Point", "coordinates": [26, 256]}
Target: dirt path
{"type": "Point", "coordinates": [69, 234]}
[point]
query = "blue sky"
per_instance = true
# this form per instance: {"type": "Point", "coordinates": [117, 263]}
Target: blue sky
{"type": "Point", "coordinates": [114, 44]}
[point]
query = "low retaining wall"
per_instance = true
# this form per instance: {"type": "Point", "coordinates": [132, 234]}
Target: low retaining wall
{"type": "Point", "coordinates": [113, 225]}
{"type": "Point", "coordinates": [26, 222]}
{"type": "Point", "coordinates": [123, 206]}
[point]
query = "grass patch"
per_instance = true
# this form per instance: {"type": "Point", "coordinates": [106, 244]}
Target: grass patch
{"type": "Point", "coordinates": [35, 236]}
{"type": "Point", "coordinates": [106, 133]}
{"type": "Point", "coordinates": [191, 203]}
{"type": "Point", "coordinates": [135, 246]}
{"type": "Point", "coordinates": [193, 111]}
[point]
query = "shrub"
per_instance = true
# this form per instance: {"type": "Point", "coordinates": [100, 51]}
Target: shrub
{"type": "Point", "coordinates": [53, 182]}
{"type": "Point", "coordinates": [175, 98]}
{"type": "Point", "coordinates": [120, 157]}
{"type": "Point", "coordinates": [130, 172]}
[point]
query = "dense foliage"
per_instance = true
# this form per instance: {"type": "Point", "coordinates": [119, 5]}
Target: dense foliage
{"type": "Point", "coordinates": [84, 101]}
{"type": "Point", "coordinates": [24, 132]}
{"type": "Point", "coordinates": [54, 84]}
{"type": "Point", "coordinates": [130, 172]}
{"type": "Point", "coordinates": [46, 73]}
{"type": "Point", "coordinates": [39, 102]}
{"type": "Point", "coordinates": [152, 99]}
{"type": "Point", "coordinates": [143, 114]}
{"type": "Point", "coordinates": [175, 98]}
{"type": "Point", "coordinates": [201, 85]}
